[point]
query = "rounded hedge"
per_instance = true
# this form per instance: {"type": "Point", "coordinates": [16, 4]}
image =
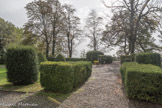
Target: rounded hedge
{"type": "Point", "coordinates": [22, 65]}
{"type": "Point", "coordinates": [93, 55]}
{"type": "Point", "coordinates": [60, 57]}
{"type": "Point", "coordinates": [41, 58]}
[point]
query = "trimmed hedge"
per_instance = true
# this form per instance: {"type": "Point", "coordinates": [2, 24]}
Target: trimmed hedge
{"type": "Point", "coordinates": [142, 82]}
{"type": "Point", "coordinates": [3, 59]}
{"type": "Point", "coordinates": [82, 71]}
{"type": "Point", "coordinates": [22, 65]}
{"type": "Point", "coordinates": [41, 58]}
{"type": "Point", "coordinates": [67, 59]}
{"type": "Point", "coordinates": [93, 55]}
{"type": "Point", "coordinates": [76, 59]}
{"type": "Point", "coordinates": [51, 58]}
{"type": "Point", "coordinates": [149, 58]}
{"type": "Point", "coordinates": [63, 77]}
{"type": "Point", "coordinates": [125, 58]}
{"type": "Point", "coordinates": [105, 59]}
{"type": "Point", "coordinates": [60, 57]}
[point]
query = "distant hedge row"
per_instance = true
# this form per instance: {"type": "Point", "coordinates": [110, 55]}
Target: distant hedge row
{"type": "Point", "coordinates": [67, 59]}
{"type": "Point", "coordinates": [105, 59]}
{"type": "Point", "coordinates": [93, 55]}
{"type": "Point", "coordinates": [143, 58]}
{"type": "Point", "coordinates": [142, 82]}
{"type": "Point", "coordinates": [63, 77]}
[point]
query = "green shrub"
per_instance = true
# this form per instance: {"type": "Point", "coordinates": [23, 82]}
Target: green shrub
{"type": "Point", "coordinates": [3, 59]}
{"type": "Point", "coordinates": [149, 58]}
{"type": "Point", "coordinates": [133, 57]}
{"type": "Point", "coordinates": [93, 55]}
{"type": "Point", "coordinates": [76, 59]}
{"type": "Point", "coordinates": [125, 58]}
{"type": "Point", "coordinates": [82, 71]}
{"type": "Point", "coordinates": [123, 69]}
{"type": "Point", "coordinates": [51, 58]}
{"type": "Point", "coordinates": [22, 65]}
{"type": "Point", "coordinates": [60, 57]}
{"type": "Point", "coordinates": [104, 59]}
{"type": "Point", "coordinates": [57, 76]}
{"type": "Point", "coordinates": [143, 82]}
{"type": "Point", "coordinates": [41, 58]}
{"type": "Point", "coordinates": [63, 77]}
{"type": "Point", "coordinates": [67, 59]}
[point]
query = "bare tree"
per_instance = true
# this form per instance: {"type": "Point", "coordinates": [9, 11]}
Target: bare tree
{"type": "Point", "coordinates": [138, 11]}
{"type": "Point", "coordinates": [56, 17]}
{"type": "Point", "coordinates": [38, 13]}
{"type": "Point", "coordinates": [93, 29]}
{"type": "Point", "coordinates": [72, 28]}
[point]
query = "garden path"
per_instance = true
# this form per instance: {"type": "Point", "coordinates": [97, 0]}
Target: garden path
{"type": "Point", "coordinates": [104, 90]}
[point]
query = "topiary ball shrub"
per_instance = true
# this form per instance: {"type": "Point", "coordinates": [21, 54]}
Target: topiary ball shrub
{"type": "Point", "coordinates": [41, 58]}
{"type": "Point", "coordinates": [149, 58]}
{"type": "Point", "coordinates": [60, 57]}
{"type": "Point", "coordinates": [22, 65]}
{"type": "Point", "coordinates": [93, 55]}
{"type": "Point", "coordinates": [105, 59]}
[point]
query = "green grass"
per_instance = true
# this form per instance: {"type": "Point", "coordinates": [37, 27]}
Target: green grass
{"type": "Point", "coordinates": [36, 87]}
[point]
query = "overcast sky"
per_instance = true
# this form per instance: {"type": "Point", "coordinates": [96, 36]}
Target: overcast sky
{"type": "Point", "coordinates": [14, 11]}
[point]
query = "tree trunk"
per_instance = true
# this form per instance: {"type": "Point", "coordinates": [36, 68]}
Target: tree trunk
{"type": "Point", "coordinates": [53, 47]}
{"type": "Point", "coordinates": [47, 49]}
{"type": "Point", "coordinates": [131, 37]}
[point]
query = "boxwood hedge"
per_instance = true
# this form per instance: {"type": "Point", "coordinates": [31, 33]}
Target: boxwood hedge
{"type": "Point", "coordinates": [105, 59]}
{"type": "Point", "coordinates": [93, 55]}
{"type": "Point", "coordinates": [22, 65]}
{"type": "Point", "coordinates": [149, 58]}
{"type": "Point", "coordinates": [41, 57]}
{"type": "Point", "coordinates": [142, 82]}
{"type": "Point", "coordinates": [63, 77]}
{"type": "Point", "coordinates": [125, 58]}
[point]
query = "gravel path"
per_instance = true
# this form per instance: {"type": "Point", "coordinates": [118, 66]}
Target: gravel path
{"type": "Point", "coordinates": [103, 90]}
{"type": "Point", "coordinates": [24, 100]}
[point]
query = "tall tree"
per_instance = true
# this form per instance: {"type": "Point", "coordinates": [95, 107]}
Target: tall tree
{"type": "Point", "coordinates": [38, 13]}
{"type": "Point", "coordinates": [72, 28]}
{"type": "Point", "coordinates": [57, 16]}
{"type": "Point", "coordinates": [93, 29]}
{"type": "Point", "coordinates": [9, 34]}
{"type": "Point", "coordinates": [140, 12]}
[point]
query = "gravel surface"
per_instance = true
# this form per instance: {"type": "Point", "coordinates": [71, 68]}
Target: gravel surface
{"type": "Point", "coordinates": [104, 90]}
{"type": "Point", "coordinates": [24, 100]}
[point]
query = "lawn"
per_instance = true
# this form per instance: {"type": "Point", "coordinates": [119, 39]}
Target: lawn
{"type": "Point", "coordinates": [34, 88]}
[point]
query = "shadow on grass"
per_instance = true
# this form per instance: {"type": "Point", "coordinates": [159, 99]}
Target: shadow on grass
{"type": "Point", "coordinates": [23, 88]}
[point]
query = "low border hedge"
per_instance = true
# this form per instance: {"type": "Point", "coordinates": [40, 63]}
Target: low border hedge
{"type": "Point", "coordinates": [63, 77]}
{"type": "Point", "coordinates": [142, 82]}
{"type": "Point", "coordinates": [149, 58]}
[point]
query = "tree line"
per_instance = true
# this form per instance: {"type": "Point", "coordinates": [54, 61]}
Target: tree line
{"type": "Point", "coordinates": [55, 28]}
